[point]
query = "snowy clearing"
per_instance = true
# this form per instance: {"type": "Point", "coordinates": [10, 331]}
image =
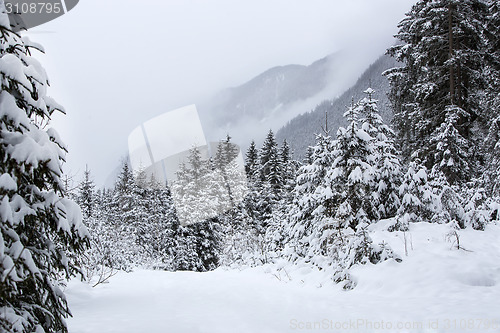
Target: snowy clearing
{"type": "Point", "coordinates": [435, 289]}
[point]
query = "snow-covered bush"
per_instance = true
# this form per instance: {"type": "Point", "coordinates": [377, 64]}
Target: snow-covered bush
{"type": "Point", "coordinates": [477, 214]}
{"type": "Point", "coordinates": [359, 250]}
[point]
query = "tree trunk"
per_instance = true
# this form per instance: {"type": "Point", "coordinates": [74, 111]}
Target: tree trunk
{"type": "Point", "coordinates": [450, 44]}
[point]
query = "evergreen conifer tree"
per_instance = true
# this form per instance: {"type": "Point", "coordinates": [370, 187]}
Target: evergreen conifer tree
{"type": "Point", "coordinates": [41, 231]}
{"type": "Point", "coordinates": [313, 198]}
{"type": "Point", "coordinates": [417, 198]}
{"type": "Point", "coordinates": [200, 195]}
{"type": "Point", "coordinates": [387, 174]}
{"type": "Point", "coordinates": [352, 174]}
{"type": "Point", "coordinates": [86, 194]}
{"type": "Point", "coordinates": [444, 60]}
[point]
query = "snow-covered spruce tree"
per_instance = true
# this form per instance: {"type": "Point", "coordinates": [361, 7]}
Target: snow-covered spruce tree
{"type": "Point", "coordinates": [138, 210]}
{"type": "Point", "coordinates": [388, 173]}
{"type": "Point", "coordinates": [492, 72]}
{"type": "Point", "coordinates": [200, 195]}
{"type": "Point", "coordinates": [159, 227]}
{"type": "Point", "coordinates": [208, 243]}
{"type": "Point", "coordinates": [123, 198]}
{"type": "Point", "coordinates": [334, 203]}
{"type": "Point", "coordinates": [236, 224]}
{"type": "Point", "coordinates": [198, 246]}
{"type": "Point", "coordinates": [186, 256]}
{"type": "Point", "coordinates": [353, 183]}
{"type": "Point", "coordinates": [97, 260]}
{"type": "Point", "coordinates": [227, 165]}
{"type": "Point", "coordinates": [451, 150]}
{"type": "Point", "coordinates": [245, 241]}
{"type": "Point", "coordinates": [121, 217]}
{"type": "Point", "coordinates": [451, 202]}
{"type": "Point", "coordinates": [313, 200]}
{"type": "Point", "coordinates": [226, 152]}
{"type": "Point", "coordinates": [40, 230]}
{"type": "Point", "coordinates": [290, 167]}
{"type": "Point", "coordinates": [443, 55]}
{"type": "Point", "coordinates": [476, 211]}
{"type": "Point", "coordinates": [239, 230]}
{"type": "Point", "coordinates": [418, 201]}
{"type": "Point", "coordinates": [491, 177]}
{"type": "Point", "coordinates": [86, 194]}
{"type": "Point", "coordinates": [494, 25]}
{"type": "Point", "coordinates": [350, 185]}
{"type": "Point", "coordinates": [252, 161]}
{"type": "Point", "coordinates": [252, 169]}
{"type": "Point", "coordinates": [271, 168]}
{"type": "Point", "coordinates": [142, 225]}
{"type": "Point", "coordinates": [270, 185]}
{"type": "Point", "coordinates": [276, 233]}
{"type": "Point", "coordinates": [110, 245]}
{"type": "Point", "coordinates": [352, 176]}
{"type": "Point", "coordinates": [307, 158]}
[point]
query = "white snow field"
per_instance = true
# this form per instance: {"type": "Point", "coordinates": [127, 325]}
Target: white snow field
{"type": "Point", "coordinates": [436, 288]}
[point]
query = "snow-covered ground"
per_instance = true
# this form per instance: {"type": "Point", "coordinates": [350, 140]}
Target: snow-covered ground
{"type": "Point", "coordinates": [436, 288]}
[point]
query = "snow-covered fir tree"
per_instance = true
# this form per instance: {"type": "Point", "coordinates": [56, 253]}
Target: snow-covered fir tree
{"type": "Point", "coordinates": [290, 167]}
{"type": "Point", "coordinates": [451, 150]}
{"type": "Point", "coordinates": [442, 81]}
{"type": "Point", "coordinates": [477, 211]}
{"type": "Point", "coordinates": [270, 190]}
{"type": "Point", "coordinates": [492, 71]}
{"type": "Point", "coordinates": [333, 202]}
{"type": "Point", "coordinates": [418, 201]}
{"type": "Point", "coordinates": [242, 237]}
{"type": "Point", "coordinates": [200, 195]}
{"type": "Point", "coordinates": [123, 198]}
{"type": "Point", "coordinates": [276, 233]}
{"type": "Point", "coordinates": [352, 176]}
{"type": "Point", "coordinates": [124, 215]}
{"type": "Point", "coordinates": [491, 177]}
{"type": "Point", "coordinates": [388, 173]}
{"type": "Point", "coordinates": [41, 231]}
{"type": "Point", "coordinates": [252, 199]}
{"type": "Point", "coordinates": [86, 195]}
{"type": "Point", "coordinates": [355, 184]}
{"type": "Point", "coordinates": [244, 243]}
{"type": "Point", "coordinates": [252, 161]}
{"type": "Point", "coordinates": [312, 198]}
{"type": "Point", "coordinates": [227, 163]}
{"type": "Point", "coordinates": [271, 168]}
{"type": "Point", "coordinates": [160, 226]}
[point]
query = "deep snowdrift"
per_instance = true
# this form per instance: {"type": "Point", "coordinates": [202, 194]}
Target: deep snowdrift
{"type": "Point", "coordinates": [436, 288]}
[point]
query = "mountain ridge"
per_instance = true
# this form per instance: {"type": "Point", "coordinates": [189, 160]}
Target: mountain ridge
{"type": "Point", "coordinates": [300, 131]}
{"type": "Point", "coordinates": [267, 97]}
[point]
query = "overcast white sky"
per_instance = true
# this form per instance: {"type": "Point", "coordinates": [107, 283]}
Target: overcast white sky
{"type": "Point", "coordinates": [114, 64]}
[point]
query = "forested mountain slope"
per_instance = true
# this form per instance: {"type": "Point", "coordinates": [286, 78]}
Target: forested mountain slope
{"type": "Point", "coordinates": [299, 132]}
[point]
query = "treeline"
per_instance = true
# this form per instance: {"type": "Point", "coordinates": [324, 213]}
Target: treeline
{"type": "Point", "coordinates": [196, 222]}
